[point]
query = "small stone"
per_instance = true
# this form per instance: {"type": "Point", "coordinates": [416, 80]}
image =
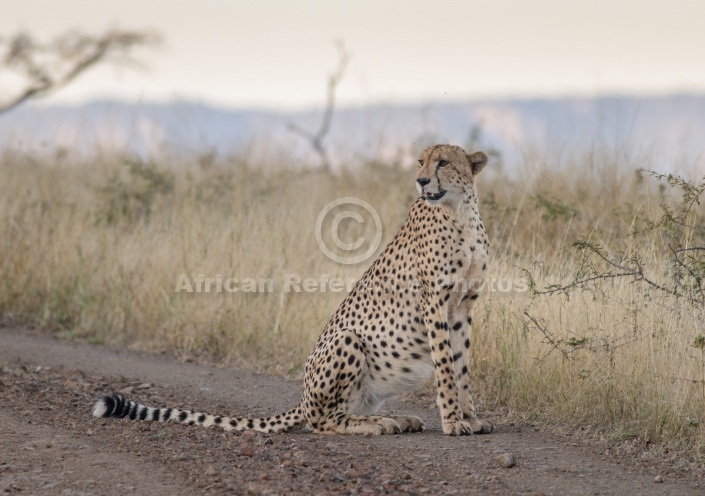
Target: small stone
{"type": "Point", "coordinates": [506, 460]}
{"type": "Point", "coordinates": [658, 479]}
{"type": "Point", "coordinates": [127, 390]}
{"type": "Point", "coordinates": [247, 451]}
{"type": "Point", "coordinates": [145, 385]}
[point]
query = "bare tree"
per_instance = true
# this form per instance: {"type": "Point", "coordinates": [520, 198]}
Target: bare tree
{"type": "Point", "coordinates": [316, 138]}
{"type": "Point", "coordinates": [40, 69]}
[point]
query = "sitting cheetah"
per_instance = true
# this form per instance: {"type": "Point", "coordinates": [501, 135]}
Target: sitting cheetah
{"type": "Point", "coordinates": [409, 315]}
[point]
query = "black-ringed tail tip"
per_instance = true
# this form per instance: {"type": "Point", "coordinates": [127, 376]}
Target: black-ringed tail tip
{"type": "Point", "coordinates": [116, 405]}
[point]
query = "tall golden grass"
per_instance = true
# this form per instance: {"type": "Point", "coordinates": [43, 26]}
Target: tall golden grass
{"type": "Point", "coordinates": [96, 249]}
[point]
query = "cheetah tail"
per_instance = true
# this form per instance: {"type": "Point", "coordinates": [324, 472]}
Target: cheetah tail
{"type": "Point", "coordinates": [116, 405]}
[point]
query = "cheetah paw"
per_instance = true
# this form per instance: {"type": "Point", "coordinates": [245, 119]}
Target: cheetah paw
{"type": "Point", "coordinates": [457, 428]}
{"type": "Point", "coordinates": [410, 423]}
{"type": "Point", "coordinates": [389, 426]}
{"type": "Point", "coordinates": [481, 426]}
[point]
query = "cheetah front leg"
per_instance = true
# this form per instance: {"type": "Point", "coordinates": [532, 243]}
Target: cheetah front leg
{"type": "Point", "coordinates": [460, 327]}
{"type": "Point", "coordinates": [447, 397]}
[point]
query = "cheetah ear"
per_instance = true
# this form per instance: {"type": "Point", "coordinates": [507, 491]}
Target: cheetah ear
{"type": "Point", "coordinates": [478, 160]}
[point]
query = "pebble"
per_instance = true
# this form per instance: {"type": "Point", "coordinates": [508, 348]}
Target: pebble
{"type": "Point", "coordinates": [506, 460]}
{"type": "Point", "coordinates": [247, 451]}
{"type": "Point", "coordinates": [658, 479]}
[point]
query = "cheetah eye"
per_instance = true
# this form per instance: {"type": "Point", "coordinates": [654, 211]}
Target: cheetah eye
{"type": "Point", "coordinates": [442, 163]}
{"type": "Point", "coordinates": [420, 163]}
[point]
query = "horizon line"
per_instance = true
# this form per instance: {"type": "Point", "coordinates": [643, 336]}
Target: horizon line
{"type": "Point", "coordinates": [435, 101]}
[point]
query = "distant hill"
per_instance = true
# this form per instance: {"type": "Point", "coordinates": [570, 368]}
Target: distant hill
{"type": "Point", "coordinates": [670, 129]}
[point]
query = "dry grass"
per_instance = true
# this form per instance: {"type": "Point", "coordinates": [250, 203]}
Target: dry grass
{"type": "Point", "coordinates": [96, 249]}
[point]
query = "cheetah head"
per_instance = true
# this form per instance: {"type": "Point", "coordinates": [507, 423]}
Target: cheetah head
{"type": "Point", "coordinates": [446, 174]}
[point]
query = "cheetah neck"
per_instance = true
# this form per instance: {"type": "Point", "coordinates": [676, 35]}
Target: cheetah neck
{"type": "Point", "coordinates": [464, 213]}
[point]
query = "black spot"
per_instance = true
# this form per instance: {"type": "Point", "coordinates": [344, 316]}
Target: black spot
{"type": "Point", "coordinates": [182, 416]}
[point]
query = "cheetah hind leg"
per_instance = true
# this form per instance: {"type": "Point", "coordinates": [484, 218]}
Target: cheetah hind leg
{"type": "Point", "coordinates": [356, 424]}
{"type": "Point", "coordinates": [349, 395]}
{"type": "Point", "coordinates": [371, 424]}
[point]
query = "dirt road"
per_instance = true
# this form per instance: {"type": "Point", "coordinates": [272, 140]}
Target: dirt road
{"type": "Point", "coordinates": [49, 443]}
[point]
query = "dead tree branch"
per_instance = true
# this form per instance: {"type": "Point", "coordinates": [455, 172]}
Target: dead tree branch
{"type": "Point", "coordinates": [44, 68]}
{"type": "Point", "coordinates": [316, 138]}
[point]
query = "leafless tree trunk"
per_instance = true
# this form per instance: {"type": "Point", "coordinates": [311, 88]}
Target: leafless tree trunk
{"type": "Point", "coordinates": [316, 138]}
{"type": "Point", "coordinates": [44, 68]}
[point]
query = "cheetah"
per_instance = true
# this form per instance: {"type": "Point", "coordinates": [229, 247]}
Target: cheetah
{"type": "Point", "coordinates": [409, 315]}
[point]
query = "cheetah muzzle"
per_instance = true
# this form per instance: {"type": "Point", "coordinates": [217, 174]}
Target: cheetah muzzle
{"type": "Point", "coordinates": [407, 317]}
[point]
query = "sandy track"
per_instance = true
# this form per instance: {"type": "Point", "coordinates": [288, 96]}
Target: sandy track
{"type": "Point", "coordinates": [51, 445]}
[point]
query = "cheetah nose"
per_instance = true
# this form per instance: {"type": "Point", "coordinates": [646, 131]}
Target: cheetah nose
{"type": "Point", "coordinates": [423, 181]}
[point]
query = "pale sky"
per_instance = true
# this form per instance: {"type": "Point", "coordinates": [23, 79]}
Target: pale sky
{"type": "Point", "coordinates": [277, 54]}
